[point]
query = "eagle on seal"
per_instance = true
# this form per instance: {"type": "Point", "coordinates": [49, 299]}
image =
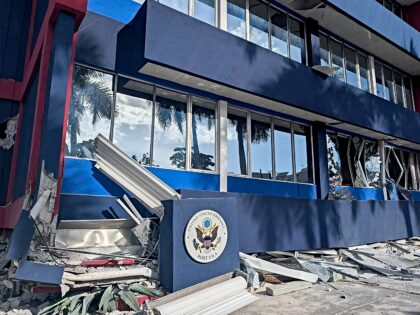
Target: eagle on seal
{"type": "Point", "coordinates": [206, 237]}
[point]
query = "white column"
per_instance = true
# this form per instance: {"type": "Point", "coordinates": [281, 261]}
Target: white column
{"type": "Point", "coordinates": [188, 134]}
{"type": "Point", "coordinates": [222, 154]}
{"type": "Point", "coordinates": [372, 75]}
{"type": "Point", "coordinates": [222, 14]}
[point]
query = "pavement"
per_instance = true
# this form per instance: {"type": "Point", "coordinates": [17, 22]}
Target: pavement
{"type": "Point", "coordinates": [377, 295]}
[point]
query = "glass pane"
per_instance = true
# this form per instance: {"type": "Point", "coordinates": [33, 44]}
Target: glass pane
{"type": "Point", "coordinates": [389, 94]}
{"type": "Point", "coordinates": [203, 150]}
{"type": "Point", "coordinates": [397, 11]}
{"type": "Point", "coordinates": [204, 11]}
{"type": "Point", "coordinates": [364, 72]}
{"type": "Point", "coordinates": [237, 142]}
{"type": "Point", "coordinates": [302, 153]}
{"type": "Point", "coordinates": [372, 164]}
{"type": "Point", "coordinates": [90, 111]}
{"type": "Point", "coordinates": [169, 133]}
{"type": "Point", "coordinates": [179, 5]}
{"type": "Point", "coordinates": [334, 162]}
{"type": "Point", "coordinates": [133, 120]}
{"type": "Point", "coordinates": [337, 59]}
{"type": "Point", "coordinates": [283, 150]}
{"type": "Point", "coordinates": [297, 41]}
{"type": "Point", "coordinates": [408, 95]}
{"type": "Point", "coordinates": [236, 17]}
{"type": "Point", "coordinates": [398, 88]}
{"type": "Point", "coordinates": [261, 147]}
{"type": "Point", "coordinates": [324, 50]}
{"type": "Point", "coordinates": [258, 23]}
{"type": "Point", "coordinates": [351, 73]}
{"type": "Point", "coordinates": [279, 32]}
{"type": "Point", "coordinates": [388, 5]}
{"type": "Point", "coordinates": [378, 77]}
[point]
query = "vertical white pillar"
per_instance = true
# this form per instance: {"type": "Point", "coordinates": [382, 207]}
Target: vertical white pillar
{"type": "Point", "coordinates": [222, 14]}
{"type": "Point", "coordinates": [188, 134]}
{"type": "Point", "coordinates": [372, 75]}
{"type": "Point", "coordinates": [222, 154]}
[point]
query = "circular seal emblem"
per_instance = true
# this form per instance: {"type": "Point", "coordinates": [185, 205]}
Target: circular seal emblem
{"type": "Point", "coordinates": [205, 236]}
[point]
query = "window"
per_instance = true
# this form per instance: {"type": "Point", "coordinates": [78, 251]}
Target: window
{"type": "Point", "coordinates": [133, 121]}
{"type": "Point", "coordinates": [169, 129]}
{"type": "Point", "coordinates": [364, 72]}
{"type": "Point", "coordinates": [351, 62]}
{"type": "Point", "coordinates": [204, 10]}
{"type": "Point", "coordinates": [379, 83]}
{"type": "Point", "coordinates": [398, 89]}
{"type": "Point", "coordinates": [388, 5]}
{"type": "Point", "coordinates": [237, 136]}
{"type": "Point", "coordinates": [388, 87]}
{"type": "Point", "coordinates": [90, 110]}
{"type": "Point", "coordinates": [179, 5]}
{"type": "Point", "coordinates": [258, 20]}
{"type": "Point", "coordinates": [407, 93]}
{"type": "Point", "coordinates": [279, 42]}
{"type": "Point", "coordinates": [392, 6]}
{"type": "Point", "coordinates": [302, 141]}
{"type": "Point", "coordinates": [297, 41]}
{"type": "Point", "coordinates": [261, 157]}
{"type": "Point", "coordinates": [236, 12]}
{"type": "Point", "coordinates": [203, 143]}
{"type": "Point", "coordinates": [324, 50]}
{"type": "Point", "coordinates": [337, 59]}
{"type": "Point", "coordinates": [283, 151]}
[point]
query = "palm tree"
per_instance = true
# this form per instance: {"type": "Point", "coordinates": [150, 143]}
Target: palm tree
{"type": "Point", "coordinates": [90, 95]}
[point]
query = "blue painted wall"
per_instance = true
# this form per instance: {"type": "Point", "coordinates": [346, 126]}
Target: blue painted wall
{"type": "Point", "coordinates": [248, 67]}
{"type": "Point", "coordinates": [360, 193]}
{"type": "Point", "coordinates": [14, 26]}
{"type": "Point", "coordinates": [382, 21]}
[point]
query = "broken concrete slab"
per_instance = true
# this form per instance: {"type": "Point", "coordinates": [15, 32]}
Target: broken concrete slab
{"type": "Point", "coordinates": [38, 272]}
{"type": "Point", "coordinates": [288, 287]}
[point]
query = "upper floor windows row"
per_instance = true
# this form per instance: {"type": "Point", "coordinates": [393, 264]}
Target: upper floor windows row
{"type": "Point", "coordinates": [392, 6]}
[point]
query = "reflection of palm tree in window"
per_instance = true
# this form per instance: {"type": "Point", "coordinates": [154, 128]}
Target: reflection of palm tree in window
{"type": "Point", "coordinates": [89, 96]}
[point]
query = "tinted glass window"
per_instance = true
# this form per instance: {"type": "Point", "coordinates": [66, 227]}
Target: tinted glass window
{"type": "Point", "coordinates": [388, 88]}
{"type": "Point", "coordinates": [279, 32]}
{"type": "Point", "coordinates": [179, 5]}
{"type": "Point", "coordinates": [258, 20]}
{"type": "Point", "coordinates": [133, 119]}
{"type": "Point", "coordinates": [204, 11]}
{"type": "Point", "coordinates": [408, 95]}
{"type": "Point", "coordinates": [337, 59]}
{"type": "Point", "coordinates": [351, 72]}
{"type": "Point", "coordinates": [324, 50]}
{"type": "Point", "coordinates": [398, 88]}
{"type": "Point", "coordinates": [169, 132]}
{"type": "Point", "coordinates": [378, 76]}
{"type": "Point", "coordinates": [203, 144]}
{"type": "Point", "coordinates": [237, 142]}
{"type": "Point", "coordinates": [364, 72]}
{"type": "Point", "coordinates": [261, 147]}
{"type": "Point", "coordinates": [89, 112]}
{"type": "Point", "coordinates": [236, 17]}
{"type": "Point", "coordinates": [302, 153]}
{"type": "Point", "coordinates": [297, 41]}
{"type": "Point", "coordinates": [283, 151]}
{"type": "Point", "coordinates": [388, 5]}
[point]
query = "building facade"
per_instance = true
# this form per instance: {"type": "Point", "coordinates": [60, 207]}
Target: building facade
{"type": "Point", "coordinates": [306, 110]}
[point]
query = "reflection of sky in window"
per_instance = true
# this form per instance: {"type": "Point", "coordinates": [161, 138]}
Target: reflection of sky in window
{"type": "Point", "coordinates": [337, 59]}
{"type": "Point", "coordinates": [388, 84]}
{"type": "Point", "coordinates": [261, 149]}
{"type": "Point", "coordinates": [132, 126]}
{"type": "Point", "coordinates": [398, 88]}
{"type": "Point", "coordinates": [233, 144]}
{"type": "Point", "coordinates": [279, 33]}
{"type": "Point", "coordinates": [204, 11]}
{"type": "Point", "coordinates": [283, 153]}
{"type": "Point", "coordinates": [301, 156]}
{"type": "Point", "coordinates": [324, 50]}
{"type": "Point", "coordinates": [179, 5]}
{"type": "Point", "coordinates": [258, 31]}
{"type": "Point", "coordinates": [351, 73]}
{"type": "Point", "coordinates": [364, 74]}
{"type": "Point", "coordinates": [170, 109]}
{"type": "Point", "coordinates": [236, 18]}
{"type": "Point", "coordinates": [408, 96]}
{"type": "Point", "coordinates": [297, 41]}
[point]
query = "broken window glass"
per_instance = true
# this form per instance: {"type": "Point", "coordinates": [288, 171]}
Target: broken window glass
{"type": "Point", "coordinates": [334, 162]}
{"type": "Point", "coordinates": [372, 164]}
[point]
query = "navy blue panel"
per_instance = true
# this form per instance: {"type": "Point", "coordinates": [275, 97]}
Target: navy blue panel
{"type": "Point", "coordinates": [97, 40]}
{"type": "Point", "coordinates": [382, 21]}
{"type": "Point", "coordinates": [269, 223]}
{"type": "Point", "coordinates": [21, 238]}
{"type": "Point", "coordinates": [415, 195]}
{"type": "Point", "coordinates": [25, 140]}
{"type": "Point", "coordinates": [41, 9]}
{"type": "Point", "coordinates": [319, 134]}
{"type": "Point", "coordinates": [247, 67]}
{"type": "Point", "coordinates": [54, 109]}
{"type": "Point", "coordinates": [364, 193]}
{"type": "Point", "coordinates": [37, 272]}
{"type": "Point", "coordinates": [270, 188]}
{"type": "Point", "coordinates": [8, 110]}
{"type": "Point", "coordinates": [120, 10]}
{"type": "Point", "coordinates": [14, 26]}
{"type": "Point", "coordinates": [81, 177]}
{"type": "Point", "coordinates": [177, 270]}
